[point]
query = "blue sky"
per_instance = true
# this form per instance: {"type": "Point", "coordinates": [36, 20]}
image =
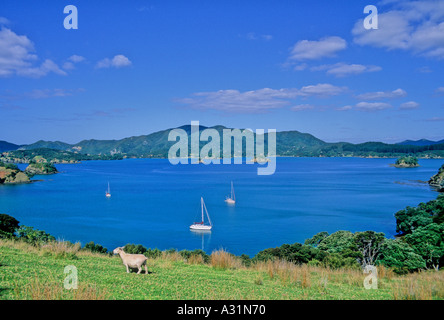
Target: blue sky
{"type": "Point", "coordinates": [136, 67]}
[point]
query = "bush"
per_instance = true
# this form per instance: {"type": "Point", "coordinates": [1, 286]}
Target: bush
{"type": "Point", "coordinates": [153, 253]}
{"type": "Point", "coordinates": [8, 225]}
{"type": "Point", "coordinates": [32, 235]}
{"type": "Point", "coordinates": [189, 255]}
{"type": "Point", "coordinates": [91, 246]}
{"type": "Point", "coordinates": [134, 249]}
{"type": "Point", "coordinates": [399, 256]}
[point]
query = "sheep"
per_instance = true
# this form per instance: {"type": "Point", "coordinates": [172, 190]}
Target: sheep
{"type": "Point", "coordinates": [132, 260]}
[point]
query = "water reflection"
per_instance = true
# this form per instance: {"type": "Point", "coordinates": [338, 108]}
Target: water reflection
{"type": "Point", "coordinates": [205, 236]}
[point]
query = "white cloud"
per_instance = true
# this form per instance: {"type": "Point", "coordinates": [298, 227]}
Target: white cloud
{"type": "Point", "coordinates": [416, 26]}
{"type": "Point", "coordinates": [367, 106]}
{"type": "Point", "coordinates": [398, 93]}
{"type": "Point", "coordinates": [40, 94]}
{"type": "Point", "coordinates": [343, 69]}
{"type": "Point", "coordinates": [75, 58]}
{"type": "Point", "coordinates": [254, 36]}
{"type": "Point", "coordinates": [321, 90]}
{"type": "Point", "coordinates": [301, 107]}
{"type": "Point", "coordinates": [435, 119]}
{"type": "Point", "coordinates": [409, 105]}
{"type": "Point", "coordinates": [17, 57]}
{"type": "Point", "coordinates": [4, 21]}
{"type": "Point", "coordinates": [46, 67]}
{"type": "Point", "coordinates": [311, 50]}
{"type": "Point", "coordinates": [440, 90]}
{"type": "Point", "coordinates": [72, 60]}
{"type": "Point", "coordinates": [119, 61]}
{"type": "Point", "coordinates": [257, 101]}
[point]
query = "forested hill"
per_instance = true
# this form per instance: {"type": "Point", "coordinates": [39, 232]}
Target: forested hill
{"type": "Point", "coordinates": [289, 143]}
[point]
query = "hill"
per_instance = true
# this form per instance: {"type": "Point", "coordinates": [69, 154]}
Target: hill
{"type": "Point", "coordinates": [173, 277]}
{"type": "Point", "coordinates": [289, 143]}
{"type": "Point", "coordinates": [7, 146]}
{"type": "Point", "coordinates": [421, 142]}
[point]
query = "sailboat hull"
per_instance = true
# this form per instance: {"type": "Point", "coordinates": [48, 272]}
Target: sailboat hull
{"type": "Point", "coordinates": [200, 227]}
{"type": "Point", "coordinates": [230, 201]}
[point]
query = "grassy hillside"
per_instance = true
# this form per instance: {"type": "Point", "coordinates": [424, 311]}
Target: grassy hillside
{"type": "Point", "coordinates": [37, 272]}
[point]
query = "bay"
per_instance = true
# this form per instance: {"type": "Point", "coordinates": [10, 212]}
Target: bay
{"type": "Point", "coordinates": [154, 202]}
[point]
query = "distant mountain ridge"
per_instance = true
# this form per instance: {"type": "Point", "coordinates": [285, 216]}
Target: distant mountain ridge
{"type": "Point", "coordinates": [288, 143]}
{"type": "Point", "coordinates": [7, 146]}
{"type": "Point", "coordinates": [421, 142]}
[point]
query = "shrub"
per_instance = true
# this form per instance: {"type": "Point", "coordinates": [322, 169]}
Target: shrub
{"type": "Point", "coordinates": [194, 255]}
{"type": "Point", "coordinates": [8, 225]}
{"type": "Point", "coordinates": [135, 249]}
{"type": "Point", "coordinates": [399, 256]}
{"type": "Point", "coordinates": [91, 246]}
{"type": "Point", "coordinates": [32, 235]}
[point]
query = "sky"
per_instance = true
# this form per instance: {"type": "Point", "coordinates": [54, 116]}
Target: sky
{"type": "Point", "coordinates": [135, 67]}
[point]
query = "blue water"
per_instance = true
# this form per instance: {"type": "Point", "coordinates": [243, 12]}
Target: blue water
{"type": "Point", "coordinates": [153, 202]}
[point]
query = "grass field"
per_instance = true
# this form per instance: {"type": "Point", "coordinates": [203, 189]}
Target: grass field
{"type": "Point", "coordinates": [37, 273]}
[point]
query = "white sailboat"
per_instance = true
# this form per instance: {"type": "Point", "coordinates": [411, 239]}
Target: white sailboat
{"type": "Point", "coordinates": [201, 225]}
{"type": "Point", "coordinates": [108, 192]}
{"type": "Point", "coordinates": [232, 199]}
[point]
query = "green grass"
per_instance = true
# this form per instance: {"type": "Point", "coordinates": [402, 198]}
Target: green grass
{"type": "Point", "coordinates": [30, 272]}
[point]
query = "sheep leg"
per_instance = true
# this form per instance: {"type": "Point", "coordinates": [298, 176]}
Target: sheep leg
{"type": "Point", "coordinates": [127, 269]}
{"type": "Point", "coordinates": [146, 269]}
{"type": "Point", "coordinates": [140, 269]}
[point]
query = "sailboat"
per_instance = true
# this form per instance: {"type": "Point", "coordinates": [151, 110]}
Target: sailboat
{"type": "Point", "coordinates": [108, 192]}
{"type": "Point", "coordinates": [232, 199]}
{"type": "Point", "coordinates": [201, 225]}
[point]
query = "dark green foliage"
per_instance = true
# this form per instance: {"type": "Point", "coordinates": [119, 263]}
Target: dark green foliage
{"type": "Point", "coordinates": [411, 218]}
{"type": "Point", "coordinates": [134, 249]}
{"type": "Point", "coordinates": [187, 254]}
{"type": "Point", "coordinates": [156, 145]}
{"type": "Point", "coordinates": [316, 239]}
{"type": "Point", "coordinates": [153, 253]}
{"type": "Point", "coordinates": [29, 234]}
{"type": "Point", "coordinates": [397, 254]}
{"type": "Point", "coordinates": [91, 246]}
{"type": "Point", "coordinates": [53, 156]}
{"type": "Point", "coordinates": [407, 160]}
{"type": "Point", "coordinates": [368, 244]}
{"type": "Point", "coordinates": [296, 253]}
{"type": "Point", "coordinates": [8, 225]}
{"type": "Point", "coordinates": [428, 242]}
{"type": "Point", "coordinates": [246, 261]}
{"type": "Point", "coordinates": [336, 261]}
{"type": "Point", "coordinates": [10, 166]}
{"type": "Point", "coordinates": [337, 242]}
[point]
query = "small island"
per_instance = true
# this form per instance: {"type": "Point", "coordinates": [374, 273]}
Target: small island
{"type": "Point", "coordinates": [437, 180]}
{"type": "Point", "coordinates": [11, 174]}
{"type": "Point", "coordinates": [38, 168]}
{"type": "Point", "coordinates": [406, 162]}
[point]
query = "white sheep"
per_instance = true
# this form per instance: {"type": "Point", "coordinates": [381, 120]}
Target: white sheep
{"type": "Point", "coordinates": [132, 260]}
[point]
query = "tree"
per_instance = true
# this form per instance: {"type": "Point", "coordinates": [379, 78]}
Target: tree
{"type": "Point", "coordinates": [337, 242]}
{"type": "Point", "coordinates": [397, 254]}
{"type": "Point", "coordinates": [368, 243]}
{"type": "Point", "coordinates": [8, 225]}
{"type": "Point", "coordinates": [33, 235]}
{"type": "Point", "coordinates": [316, 239]}
{"type": "Point", "coordinates": [91, 246]}
{"type": "Point", "coordinates": [410, 218]}
{"type": "Point", "coordinates": [428, 242]}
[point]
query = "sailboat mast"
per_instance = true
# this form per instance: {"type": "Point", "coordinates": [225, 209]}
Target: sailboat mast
{"type": "Point", "coordinates": [232, 192]}
{"type": "Point", "coordinates": [202, 208]}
